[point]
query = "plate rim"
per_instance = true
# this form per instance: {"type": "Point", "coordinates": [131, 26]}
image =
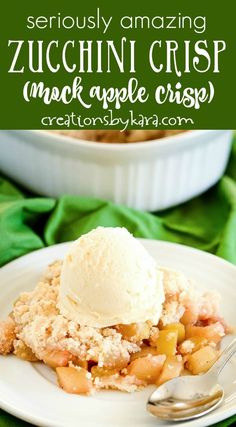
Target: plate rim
{"type": "Point", "coordinates": [182, 246]}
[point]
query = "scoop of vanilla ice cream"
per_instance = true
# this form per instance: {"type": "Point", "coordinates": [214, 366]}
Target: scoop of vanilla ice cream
{"type": "Point", "coordinates": [108, 278]}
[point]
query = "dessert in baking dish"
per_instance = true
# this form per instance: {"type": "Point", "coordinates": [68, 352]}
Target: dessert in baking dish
{"type": "Point", "coordinates": [116, 136]}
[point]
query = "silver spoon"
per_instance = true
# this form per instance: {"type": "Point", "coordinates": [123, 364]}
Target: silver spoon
{"type": "Point", "coordinates": [189, 396]}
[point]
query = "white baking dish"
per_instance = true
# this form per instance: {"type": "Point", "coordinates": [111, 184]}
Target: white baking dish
{"type": "Point", "coordinates": [149, 175]}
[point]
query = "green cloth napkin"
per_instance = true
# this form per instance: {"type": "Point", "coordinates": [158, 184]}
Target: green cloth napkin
{"type": "Point", "coordinates": [27, 223]}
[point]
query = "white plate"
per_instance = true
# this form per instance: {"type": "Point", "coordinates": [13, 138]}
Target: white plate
{"type": "Point", "coordinates": [29, 391]}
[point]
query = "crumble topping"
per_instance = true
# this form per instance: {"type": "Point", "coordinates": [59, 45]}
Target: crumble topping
{"type": "Point", "coordinates": [115, 136]}
{"type": "Point", "coordinates": [41, 327]}
{"type": "Point", "coordinates": [125, 356]}
{"type": "Point", "coordinates": [181, 295]}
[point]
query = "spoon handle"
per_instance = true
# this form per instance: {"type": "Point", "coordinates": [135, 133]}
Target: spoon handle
{"type": "Point", "coordinates": [225, 356]}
